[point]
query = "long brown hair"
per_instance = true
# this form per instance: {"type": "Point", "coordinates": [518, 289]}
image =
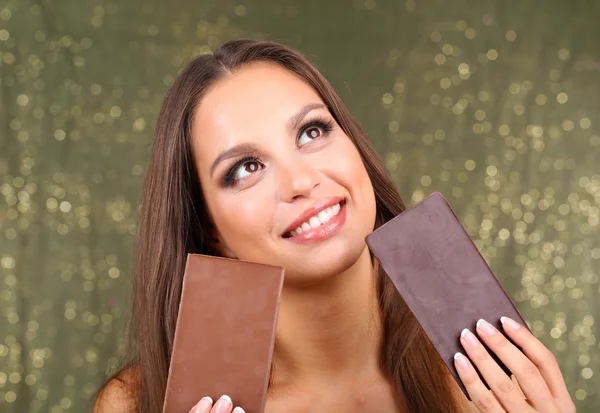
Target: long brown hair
{"type": "Point", "coordinates": [174, 222]}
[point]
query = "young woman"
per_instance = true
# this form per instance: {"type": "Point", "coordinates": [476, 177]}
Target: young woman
{"type": "Point", "coordinates": [256, 158]}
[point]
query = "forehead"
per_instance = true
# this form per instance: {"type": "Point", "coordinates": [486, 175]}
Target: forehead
{"type": "Point", "coordinates": [258, 97]}
{"type": "Point", "coordinates": [258, 85]}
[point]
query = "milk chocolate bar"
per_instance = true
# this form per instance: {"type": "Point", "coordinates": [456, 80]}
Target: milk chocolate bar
{"type": "Point", "coordinates": [441, 275]}
{"type": "Point", "coordinates": [225, 333]}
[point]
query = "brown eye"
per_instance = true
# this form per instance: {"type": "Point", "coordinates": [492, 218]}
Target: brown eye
{"type": "Point", "coordinates": [246, 169]}
{"type": "Point", "coordinates": [309, 134]}
{"type": "Point", "coordinates": [251, 167]}
{"type": "Point", "coordinates": [313, 133]}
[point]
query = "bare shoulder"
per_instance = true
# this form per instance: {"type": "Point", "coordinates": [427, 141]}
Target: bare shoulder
{"type": "Point", "coordinates": [118, 396]}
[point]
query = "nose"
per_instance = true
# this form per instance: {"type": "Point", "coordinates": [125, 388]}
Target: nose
{"type": "Point", "coordinates": [297, 178]}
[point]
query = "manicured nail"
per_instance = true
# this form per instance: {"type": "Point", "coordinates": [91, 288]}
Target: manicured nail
{"type": "Point", "coordinates": [223, 404]}
{"type": "Point", "coordinates": [238, 410]}
{"type": "Point", "coordinates": [204, 405]}
{"type": "Point", "coordinates": [461, 361]}
{"type": "Point", "coordinates": [508, 322]}
{"type": "Point", "coordinates": [470, 339]}
{"type": "Point", "coordinates": [486, 327]}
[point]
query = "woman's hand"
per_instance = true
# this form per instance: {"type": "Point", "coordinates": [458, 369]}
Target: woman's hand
{"type": "Point", "coordinates": [223, 405]}
{"type": "Point", "coordinates": [541, 387]}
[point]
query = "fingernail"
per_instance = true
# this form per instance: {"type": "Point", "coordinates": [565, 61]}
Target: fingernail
{"type": "Point", "coordinates": [469, 338]}
{"type": "Point", "coordinates": [238, 410]}
{"type": "Point", "coordinates": [223, 404]}
{"type": "Point", "coordinates": [508, 322]}
{"type": "Point", "coordinates": [461, 361]}
{"type": "Point", "coordinates": [486, 327]}
{"type": "Point", "coordinates": [204, 405]}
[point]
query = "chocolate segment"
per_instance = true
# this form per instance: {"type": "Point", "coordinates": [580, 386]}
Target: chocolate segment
{"type": "Point", "coordinates": [225, 333]}
{"type": "Point", "coordinates": [441, 275]}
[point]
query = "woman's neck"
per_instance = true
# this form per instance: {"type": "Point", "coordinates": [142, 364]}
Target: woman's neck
{"type": "Point", "coordinates": [331, 330]}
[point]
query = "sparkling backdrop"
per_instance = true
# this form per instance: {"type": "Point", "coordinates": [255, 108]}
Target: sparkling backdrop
{"type": "Point", "coordinates": [494, 104]}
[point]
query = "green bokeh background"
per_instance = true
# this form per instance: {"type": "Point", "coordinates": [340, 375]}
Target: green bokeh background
{"type": "Point", "coordinates": [494, 103]}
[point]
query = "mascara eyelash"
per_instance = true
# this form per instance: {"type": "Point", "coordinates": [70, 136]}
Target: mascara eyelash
{"type": "Point", "coordinates": [325, 124]}
{"type": "Point", "coordinates": [228, 178]}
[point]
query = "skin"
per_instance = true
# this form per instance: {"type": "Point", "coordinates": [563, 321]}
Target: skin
{"type": "Point", "coordinates": [328, 328]}
{"type": "Point", "coordinates": [329, 324]}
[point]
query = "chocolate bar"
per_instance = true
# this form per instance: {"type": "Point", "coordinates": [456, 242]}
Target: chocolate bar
{"type": "Point", "coordinates": [441, 275]}
{"type": "Point", "coordinates": [225, 333]}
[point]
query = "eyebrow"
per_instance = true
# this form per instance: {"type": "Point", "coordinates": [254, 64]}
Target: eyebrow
{"type": "Point", "coordinates": [234, 152]}
{"type": "Point", "coordinates": [295, 120]}
{"type": "Point", "coordinates": [245, 148]}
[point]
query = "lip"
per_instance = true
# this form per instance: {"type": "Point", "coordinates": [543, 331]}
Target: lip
{"type": "Point", "coordinates": [323, 231]}
{"type": "Point", "coordinates": [314, 210]}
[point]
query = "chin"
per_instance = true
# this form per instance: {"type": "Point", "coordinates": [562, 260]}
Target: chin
{"type": "Point", "coordinates": [327, 263]}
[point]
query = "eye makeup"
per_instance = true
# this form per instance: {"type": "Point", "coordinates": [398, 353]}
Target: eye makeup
{"type": "Point", "coordinates": [326, 125]}
{"type": "Point", "coordinates": [317, 122]}
{"type": "Point", "coordinates": [228, 179]}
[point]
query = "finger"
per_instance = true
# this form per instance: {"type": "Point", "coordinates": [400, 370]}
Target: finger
{"type": "Point", "coordinates": [514, 379]}
{"type": "Point", "coordinates": [542, 358]}
{"type": "Point", "coordinates": [223, 405]}
{"type": "Point", "coordinates": [528, 375]}
{"type": "Point", "coordinates": [203, 406]}
{"type": "Point", "coordinates": [502, 386]}
{"type": "Point", "coordinates": [481, 397]}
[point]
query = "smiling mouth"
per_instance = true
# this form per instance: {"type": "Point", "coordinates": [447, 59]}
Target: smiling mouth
{"type": "Point", "coordinates": [317, 220]}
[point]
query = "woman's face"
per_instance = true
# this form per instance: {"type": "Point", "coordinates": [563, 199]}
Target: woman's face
{"type": "Point", "coordinates": [283, 183]}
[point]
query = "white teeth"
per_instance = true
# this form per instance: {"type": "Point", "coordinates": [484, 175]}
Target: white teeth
{"type": "Point", "coordinates": [314, 222]}
{"type": "Point", "coordinates": [317, 220]}
{"type": "Point", "coordinates": [323, 217]}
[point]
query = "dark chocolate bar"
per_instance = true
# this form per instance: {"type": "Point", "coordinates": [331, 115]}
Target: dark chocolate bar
{"type": "Point", "coordinates": [225, 333]}
{"type": "Point", "coordinates": [441, 275]}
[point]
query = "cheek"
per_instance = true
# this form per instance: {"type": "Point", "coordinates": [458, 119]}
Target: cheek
{"type": "Point", "coordinates": [242, 216]}
{"type": "Point", "coordinates": [355, 177]}
{"type": "Point", "coordinates": [352, 169]}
